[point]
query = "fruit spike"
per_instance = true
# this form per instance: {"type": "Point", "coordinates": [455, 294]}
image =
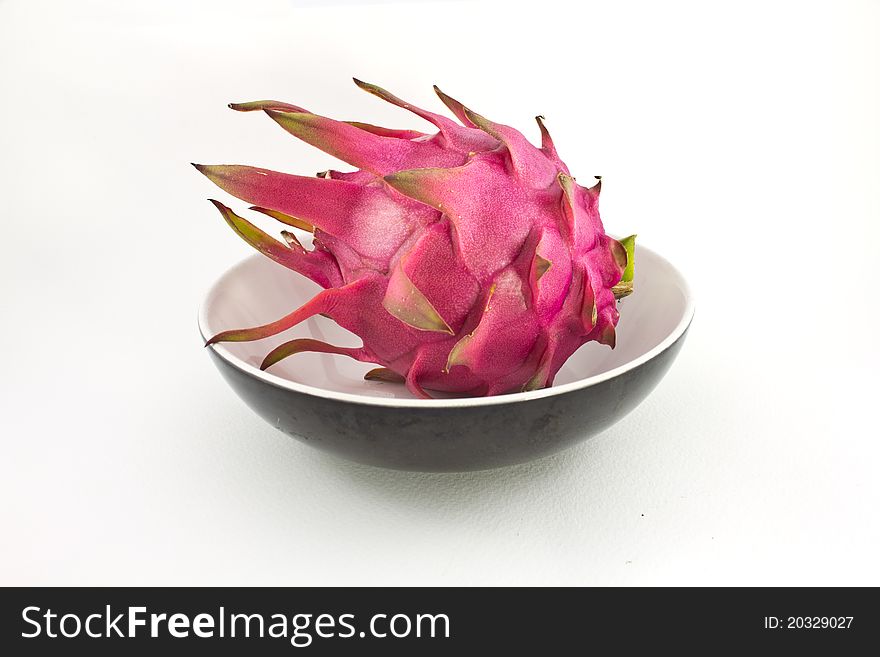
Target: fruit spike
{"type": "Point", "coordinates": [467, 260]}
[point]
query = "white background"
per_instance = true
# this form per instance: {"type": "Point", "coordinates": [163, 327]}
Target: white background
{"type": "Point", "coordinates": [739, 139]}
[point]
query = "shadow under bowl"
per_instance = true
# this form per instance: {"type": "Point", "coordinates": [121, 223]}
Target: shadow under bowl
{"type": "Point", "coordinates": [323, 400]}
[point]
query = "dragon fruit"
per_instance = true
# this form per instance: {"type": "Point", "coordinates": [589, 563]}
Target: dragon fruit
{"type": "Point", "coordinates": [467, 261]}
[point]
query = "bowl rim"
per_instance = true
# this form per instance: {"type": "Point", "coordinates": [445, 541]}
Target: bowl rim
{"type": "Point", "coordinates": [455, 402]}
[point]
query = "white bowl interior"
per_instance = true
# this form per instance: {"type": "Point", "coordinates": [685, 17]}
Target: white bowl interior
{"type": "Point", "coordinates": [258, 291]}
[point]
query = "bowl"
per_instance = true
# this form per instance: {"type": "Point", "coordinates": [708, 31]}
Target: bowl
{"type": "Point", "coordinates": [323, 400]}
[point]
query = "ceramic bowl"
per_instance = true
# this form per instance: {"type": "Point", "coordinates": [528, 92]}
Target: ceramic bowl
{"type": "Point", "coordinates": [323, 400]}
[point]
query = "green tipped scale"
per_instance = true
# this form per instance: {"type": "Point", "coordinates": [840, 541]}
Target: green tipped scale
{"type": "Point", "coordinates": [625, 286]}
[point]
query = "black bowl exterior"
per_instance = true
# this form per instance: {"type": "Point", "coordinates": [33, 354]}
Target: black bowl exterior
{"type": "Point", "coordinates": [450, 439]}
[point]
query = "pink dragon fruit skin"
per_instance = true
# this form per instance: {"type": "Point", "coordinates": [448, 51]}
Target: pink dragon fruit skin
{"type": "Point", "coordinates": [467, 261]}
